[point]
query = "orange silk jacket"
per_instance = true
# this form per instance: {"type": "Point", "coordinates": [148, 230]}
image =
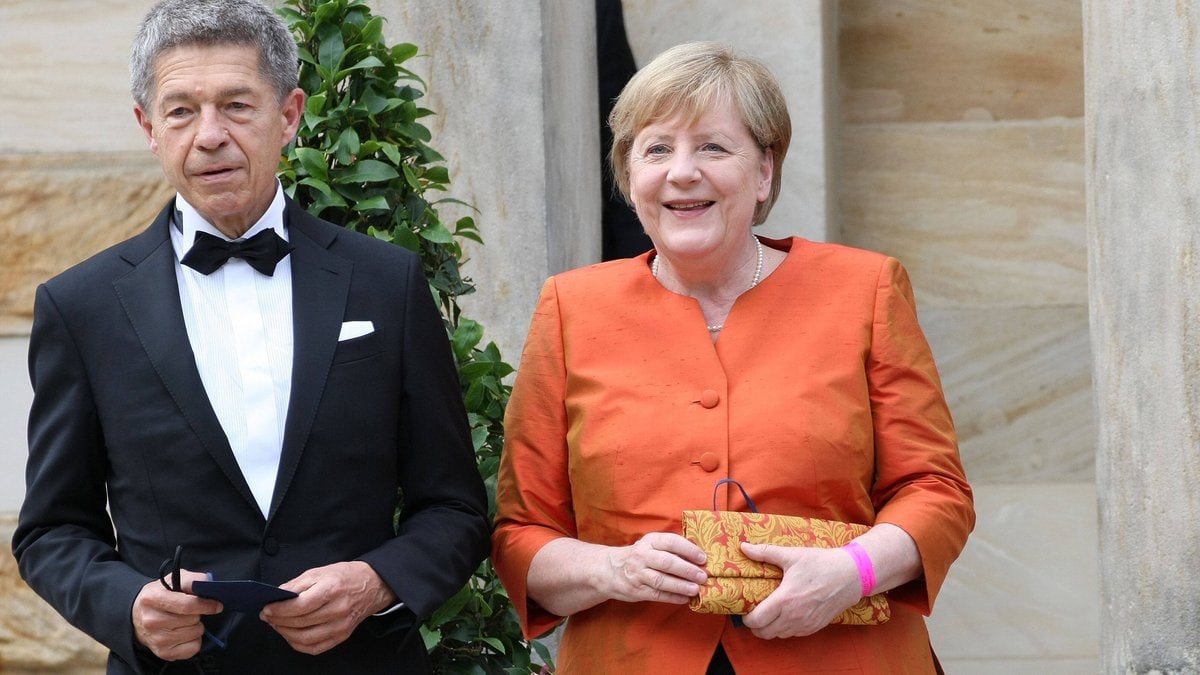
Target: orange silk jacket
{"type": "Point", "coordinates": [820, 396]}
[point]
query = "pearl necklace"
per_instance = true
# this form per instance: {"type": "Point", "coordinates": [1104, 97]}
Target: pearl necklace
{"type": "Point", "coordinates": [758, 268]}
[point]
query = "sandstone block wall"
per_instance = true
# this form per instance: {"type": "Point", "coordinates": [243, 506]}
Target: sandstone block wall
{"type": "Point", "coordinates": [77, 178]}
{"type": "Point", "coordinates": [962, 155]}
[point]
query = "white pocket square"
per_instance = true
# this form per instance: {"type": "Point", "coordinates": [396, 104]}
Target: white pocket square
{"type": "Point", "coordinates": [354, 329]}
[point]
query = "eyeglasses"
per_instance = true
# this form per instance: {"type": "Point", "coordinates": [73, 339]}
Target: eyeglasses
{"type": "Point", "coordinates": [173, 566]}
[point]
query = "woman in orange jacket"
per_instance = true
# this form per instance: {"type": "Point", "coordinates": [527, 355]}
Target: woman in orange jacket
{"type": "Point", "coordinates": [796, 367]}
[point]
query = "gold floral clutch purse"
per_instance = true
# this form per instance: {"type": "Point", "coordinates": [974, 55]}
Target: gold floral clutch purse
{"type": "Point", "coordinates": [736, 584]}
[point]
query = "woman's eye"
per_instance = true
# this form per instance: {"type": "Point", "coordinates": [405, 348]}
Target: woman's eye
{"type": "Point", "coordinates": [712, 147]}
{"type": "Point", "coordinates": [659, 149]}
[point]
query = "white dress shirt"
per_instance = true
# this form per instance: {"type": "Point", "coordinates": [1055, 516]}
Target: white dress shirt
{"type": "Point", "coordinates": [239, 323]}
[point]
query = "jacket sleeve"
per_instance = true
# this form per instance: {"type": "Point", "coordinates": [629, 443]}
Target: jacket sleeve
{"type": "Point", "coordinates": [442, 535]}
{"type": "Point", "coordinates": [920, 485]}
{"type": "Point", "coordinates": [533, 491]}
{"type": "Point", "coordinates": [64, 541]}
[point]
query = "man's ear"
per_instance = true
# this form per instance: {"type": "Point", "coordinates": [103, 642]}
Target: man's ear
{"type": "Point", "coordinates": [147, 125]}
{"type": "Point", "coordinates": [292, 109]}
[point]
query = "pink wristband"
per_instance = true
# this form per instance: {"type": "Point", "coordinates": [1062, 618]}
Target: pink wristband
{"type": "Point", "coordinates": [866, 571]}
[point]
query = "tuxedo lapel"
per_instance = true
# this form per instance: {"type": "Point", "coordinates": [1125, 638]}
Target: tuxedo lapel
{"type": "Point", "coordinates": [320, 290]}
{"type": "Point", "coordinates": [149, 294]}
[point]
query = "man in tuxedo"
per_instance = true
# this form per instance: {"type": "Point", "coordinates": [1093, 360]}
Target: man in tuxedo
{"type": "Point", "coordinates": [243, 392]}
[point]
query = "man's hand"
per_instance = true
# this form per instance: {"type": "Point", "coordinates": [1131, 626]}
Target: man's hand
{"type": "Point", "coordinates": [168, 623]}
{"type": "Point", "coordinates": [333, 600]}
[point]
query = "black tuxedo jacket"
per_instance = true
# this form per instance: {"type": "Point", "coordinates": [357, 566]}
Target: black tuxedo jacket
{"type": "Point", "coordinates": [121, 419]}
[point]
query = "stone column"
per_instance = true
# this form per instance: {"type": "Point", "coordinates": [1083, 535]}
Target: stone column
{"type": "Point", "coordinates": [1143, 216]}
{"type": "Point", "coordinates": [514, 88]}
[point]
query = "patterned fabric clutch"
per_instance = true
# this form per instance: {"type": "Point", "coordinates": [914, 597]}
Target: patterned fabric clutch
{"type": "Point", "coordinates": [736, 584]}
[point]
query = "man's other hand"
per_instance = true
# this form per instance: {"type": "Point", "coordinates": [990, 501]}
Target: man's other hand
{"type": "Point", "coordinates": [332, 601]}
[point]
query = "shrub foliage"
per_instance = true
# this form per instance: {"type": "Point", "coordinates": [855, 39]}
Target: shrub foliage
{"type": "Point", "coordinates": [362, 159]}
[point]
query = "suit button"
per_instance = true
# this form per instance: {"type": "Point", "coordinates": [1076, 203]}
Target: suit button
{"type": "Point", "coordinates": [709, 398]}
{"type": "Point", "coordinates": [271, 546]}
{"type": "Point", "coordinates": [709, 462]}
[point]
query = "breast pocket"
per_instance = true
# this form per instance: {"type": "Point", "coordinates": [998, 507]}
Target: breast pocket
{"type": "Point", "coordinates": [357, 349]}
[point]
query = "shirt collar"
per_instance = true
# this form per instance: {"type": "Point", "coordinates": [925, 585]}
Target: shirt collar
{"type": "Point", "coordinates": [188, 221]}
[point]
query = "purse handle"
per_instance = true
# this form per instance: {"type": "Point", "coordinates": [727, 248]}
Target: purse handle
{"type": "Point", "coordinates": [749, 502]}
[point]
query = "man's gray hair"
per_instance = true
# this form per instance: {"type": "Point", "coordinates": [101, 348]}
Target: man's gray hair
{"type": "Point", "coordinates": [174, 23]}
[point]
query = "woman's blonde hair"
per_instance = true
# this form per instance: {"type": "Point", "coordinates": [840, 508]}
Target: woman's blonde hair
{"type": "Point", "coordinates": [688, 80]}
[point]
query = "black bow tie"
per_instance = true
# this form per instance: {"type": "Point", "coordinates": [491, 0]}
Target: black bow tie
{"type": "Point", "coordinates": [262, 251]}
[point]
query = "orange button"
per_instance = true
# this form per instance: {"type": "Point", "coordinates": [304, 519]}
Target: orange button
{"type": "Point", "coordinates": [709, 398]}
{"type": "Point", "coordinates": [709, 462]}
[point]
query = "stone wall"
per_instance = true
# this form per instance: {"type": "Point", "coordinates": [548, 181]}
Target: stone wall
{"type": "Point", "coordinates": [962, 155]}
{"type": "Point", "coordinates": [33, 638]}
{"type": "Point", "coordinates": [77, 178]}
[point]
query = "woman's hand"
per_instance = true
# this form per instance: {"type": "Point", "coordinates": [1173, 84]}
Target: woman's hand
{"type": "Point", "coordinates": [659, 567]}
{"type": "Point", "coordinates": [818, 584]}
{"type": "Point", "coordinates": [568, 576]}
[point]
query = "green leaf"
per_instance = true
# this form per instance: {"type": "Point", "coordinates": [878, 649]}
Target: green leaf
{"type": "Point", "coordinates": [372, 102]}
{"type": "Point", "coordinates": [471, 371]}
{"type": "Point", "coordinates": [306, 56]}
{"type": "Point", "coordinates": [332, 200]}
{"type": "Point", "coordinates": [289, 15]}
{"type": "Point", "coordinates": [403, 52]}
{"type": "Point", "coordinates": [452, 200]}
{"type": "Point", "coordinates": [470, 235]}
{"type": "Point", "coordinates": [313, 161]}
{"type": "Point", "coordinates": [474, 394]}
{"type": "Point", "coordinates": [479, 436]}
{"type": "Point", "coordinates": [376, 203]}
{"type": "Point", "coordinates": [414, 130]}
{"type": "Point", "coordinates": [316, 103]}
{"type": "Point", "coordinates": [411, 178]}
{"type": "Point", "coordinates": [372, 32]}
{"type": "Point", "coordinates": [437, 234]}
{"type": "Point", "coordinates": [318, 185]}
{"type": "Point", "coordinates": [349, 141]}
{"type": "Point", "coordinates": [392, 152]}
{"type": "Point", "coordinates": [366, 171]}
{"type": "Point", "coordinates": [329, 55]}
{"type": "Point", "coordinates": [450, 608]}
{"type": "Point", "coordinates": [313, 122]}
{"type": "Point", "coordinates": [382, 235]}
{"type": "Point", "coordinates": [369, 62]}
{"type": "Point", "coordinates": [542, 650]}
{"type": "Point", "coordinates": [493, 643]}
{"type": "Point", "coordinates": [438, 174]}
{"type": "Point", "coordinates": [406, 238]}
{"type": "Point", "coordinates": [431, 638]}
{"type": "Point", "coordinates": [465, 337]}
{"type": "Point", "coordinates": [325, 10]}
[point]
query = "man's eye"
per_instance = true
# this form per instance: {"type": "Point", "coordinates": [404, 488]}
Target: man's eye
{"type": "Point", "coordinates": [177, 112]}
{"type": "Point", "coordinates": [238, 105]}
